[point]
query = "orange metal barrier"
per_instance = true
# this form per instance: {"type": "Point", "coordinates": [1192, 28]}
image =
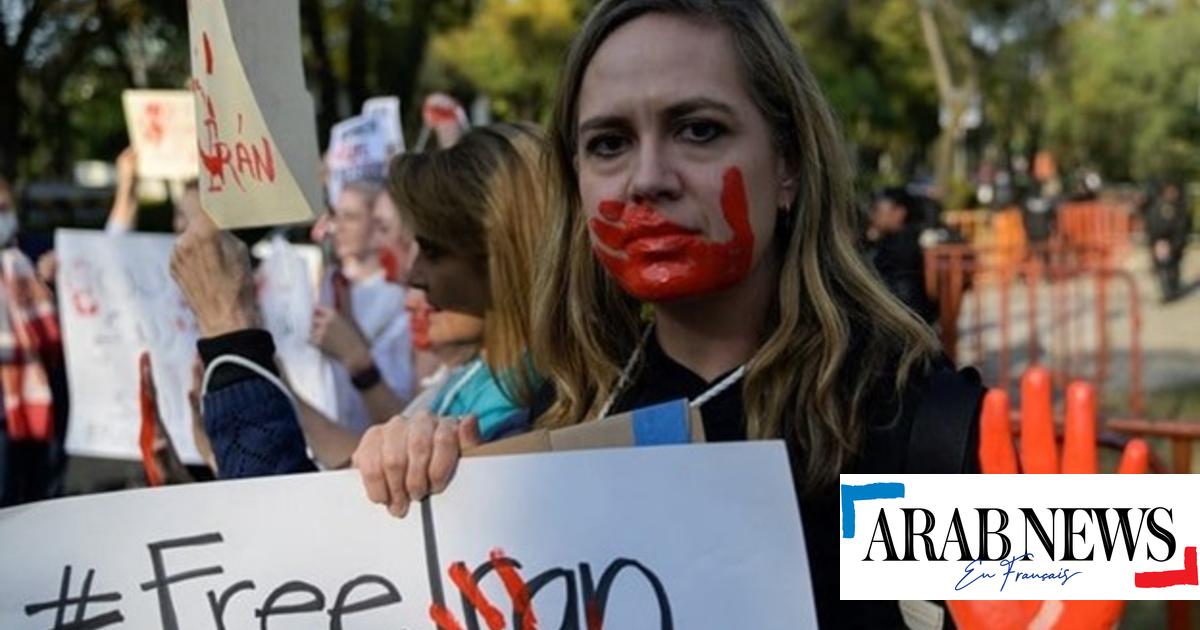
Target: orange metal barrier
{"type": "Point", "coordinates": [1096, 224]}
{"type": "Point", "coordinates": [1058, 297]}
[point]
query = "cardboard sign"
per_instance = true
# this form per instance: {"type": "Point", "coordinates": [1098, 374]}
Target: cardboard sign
{"type": "Point", "coordinates": [358, 149]}
{"type": "Point", "coordinates": [701, 536]}
{"type": "Point", "coordinates": [254, 118]}
{"type": "Point", "coordinates": [117, 298]}
{"type": "Point", "coordinates": [672, 422]}
{"type": "Point", "coordinates": [162, 130]}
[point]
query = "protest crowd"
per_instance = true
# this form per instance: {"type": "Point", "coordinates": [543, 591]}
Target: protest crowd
{"type": "Point", "coordinates": [685, 226]}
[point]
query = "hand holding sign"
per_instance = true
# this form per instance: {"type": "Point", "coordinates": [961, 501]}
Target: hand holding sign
{"type": "Point", "coordinates": [1039, 455]}
{"type": "Point", "coordinates": [212, 269]}
{"type": "Point", "coordinates": [408, 458]}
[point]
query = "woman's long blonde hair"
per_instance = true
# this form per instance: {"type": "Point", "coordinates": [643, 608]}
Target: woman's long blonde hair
{"type": "Point", "coordinates": [483, 199]}
{"type": "Point", "coordinates": [799, 384]}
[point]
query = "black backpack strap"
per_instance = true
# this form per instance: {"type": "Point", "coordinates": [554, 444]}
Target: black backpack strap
{"type": "Point", "coordinates": [945, 432]}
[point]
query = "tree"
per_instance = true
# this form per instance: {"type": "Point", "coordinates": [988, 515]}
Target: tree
{"type": "Point", "coordinates": [1128, 97]}
{"type": "Point", "coordinates": [511, 52]}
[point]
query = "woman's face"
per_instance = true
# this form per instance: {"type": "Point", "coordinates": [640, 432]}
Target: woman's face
{"type": "Point", "coordinates": [451, 281]}
{"type": "Point", "coordinates": [352, 226]}
{"type": "Point", "coordinates": [432, 329]}
{"type": "Point", "coordinates": [392, 239]}
{"type": "Point", "coordinates": [680, 182]}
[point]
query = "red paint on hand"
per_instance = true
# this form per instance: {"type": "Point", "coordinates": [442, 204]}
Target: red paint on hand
{"type": "Point", "coordinates": [149, 427]}
{"type": "Point", "coordinates": [1188, 575]}
{"type": "Point", "coordinates": [656, 260]}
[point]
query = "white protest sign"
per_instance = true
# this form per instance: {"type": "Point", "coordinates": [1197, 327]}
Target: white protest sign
{"type": "Point", "coordinates": [117, 298]}
{"type": "Point", "coordinates": [358, 149]}
{"type": "Point", "coordinates": [704, 536]}
{"type": "Point", "coordinates": [162, 130]}
{"type": "Point", "coordinates": [258, 144]}
{"type": "Point", "coordinates": [386, 109]}
{"type": "Point", "coordinates": [286, 296]}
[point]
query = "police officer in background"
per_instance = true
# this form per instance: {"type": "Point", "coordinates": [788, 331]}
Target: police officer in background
{"type": "Point", "coordinates": [1168, 224]}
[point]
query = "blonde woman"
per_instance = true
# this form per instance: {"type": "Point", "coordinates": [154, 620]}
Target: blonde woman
{"type": "Point", "coordinates": [699, 175]}
{"type": "Point", "coordinates": [476, 209]}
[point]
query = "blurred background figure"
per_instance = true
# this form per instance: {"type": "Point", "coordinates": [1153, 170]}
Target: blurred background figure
{"type": "Point", "coordinates": [361, 322]}
{"type": "Point", "coordinates": [1168, 224]}
{"type": "Point", "coordinates": [32, 379]}
{"type": "Point", "coordinates": [893, 242]}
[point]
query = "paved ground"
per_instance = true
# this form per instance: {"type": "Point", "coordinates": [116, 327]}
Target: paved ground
{"type": "Point", "coordinates": [1068, 329]}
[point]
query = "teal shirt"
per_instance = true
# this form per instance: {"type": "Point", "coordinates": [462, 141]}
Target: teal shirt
{"type": "Point", "coordinates": [472, 390]}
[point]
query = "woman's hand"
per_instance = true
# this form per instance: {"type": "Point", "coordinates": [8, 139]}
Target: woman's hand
{"type": "Point", "coordinates": [339, 337]}
{"type": "Point", "coordinates": [409, 458]}
{"type": "Point", "coordinates": [1039, 454]}
{"type": "Point", "coordinates": [212, 269]}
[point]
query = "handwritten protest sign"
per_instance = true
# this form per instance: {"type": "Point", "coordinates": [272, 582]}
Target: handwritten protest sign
{"type": "Point", "coordinates": [162, 130]}
{"type": "Point", "coordinates": [255, 121]}
{"type": "Point", "coordinates": [116, 298]}
{"type": "Point", "coordinates": [673, 537]}
{"type": "Point", "coordinates": [386, 109]}
{"type": "Point", "coordinates": [358, 149]}
{"type": "Point", "coordinates": [286, 295]}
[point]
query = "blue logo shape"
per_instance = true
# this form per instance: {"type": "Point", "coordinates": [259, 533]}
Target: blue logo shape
{"type": "Point", "coordinates": [850, 494]}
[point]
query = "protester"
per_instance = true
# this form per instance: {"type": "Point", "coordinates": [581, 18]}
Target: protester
{"type": "Point", "coordinates": [32, 375]}
{"type": "Point", "coordinates": [122, 217]}
{"type": "Point", "coordinates": [1168, 227]}
{"type": "Point", "coordinates": [893, 242]}
{"type": "Point", "coordinates": [700, 174]}
{"type": "Point", "coordinates": [476, 209]}
{"type": "Point", "coordinates": [361, 323]}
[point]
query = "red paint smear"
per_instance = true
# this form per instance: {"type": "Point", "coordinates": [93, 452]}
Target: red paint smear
{"type": "Point", "coordinates": [595, 619]}
{"type": "Point", "coordinates": [660, 261]}
{"type": "Point", "coordinates": [518, 591]}
{"type": "Point", "coordinates": [461, 576]}
{"type": "Point", "coordinates": [149, 425]}
{"type": "Point", "coordinates": [1188, 575]}
{"type": "Point", "coordinates": [442, 618]}
{"type": "Point", "coordinates": [208, 54]}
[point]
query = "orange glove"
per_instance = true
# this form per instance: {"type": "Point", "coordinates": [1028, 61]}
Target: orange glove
{"type": "Point", "coordinates": [1039, 455]}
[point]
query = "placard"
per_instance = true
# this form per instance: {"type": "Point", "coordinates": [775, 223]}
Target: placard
{"type": "Point", "coordinates": [162, 130]}
{"type": "Point", "coordinates": [254, 117]}
{"type": "Point", "coordinates": [704, 536]}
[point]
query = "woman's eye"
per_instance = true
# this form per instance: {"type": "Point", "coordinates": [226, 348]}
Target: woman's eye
{"type": "Point", "coordinates": [701, 131]}
{"type": "Point", "coordinates": [605, 146]}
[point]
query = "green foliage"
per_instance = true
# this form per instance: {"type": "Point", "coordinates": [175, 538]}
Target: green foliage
{"type": "Point", "coordinates": [511, 51]}
{"type": "Point", "coordinates": [1128, 96]}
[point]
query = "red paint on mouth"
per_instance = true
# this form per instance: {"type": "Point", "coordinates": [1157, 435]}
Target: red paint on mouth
{"type": "Point", "coordinates": [656, 260]}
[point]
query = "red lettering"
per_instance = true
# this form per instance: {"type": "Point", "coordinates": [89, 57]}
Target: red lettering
{"type": "Point", "coordinates": [244, 163]}
{"type": "Point", "coordinates": [265, 162]}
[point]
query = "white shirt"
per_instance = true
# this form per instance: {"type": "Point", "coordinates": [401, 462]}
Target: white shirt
{"type": "Point", "coordinates": [378, 307]}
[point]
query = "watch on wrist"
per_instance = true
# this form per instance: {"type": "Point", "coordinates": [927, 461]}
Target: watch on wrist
{"type": "Point", "coordinates": [366, 378]}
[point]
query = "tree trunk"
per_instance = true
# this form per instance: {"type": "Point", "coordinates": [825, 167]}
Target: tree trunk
{"type": "Point", "coordinates": [11, 111]}
{"type": "Point", "coordinates": [322, 68]}
{"type": "Point", "coordinates": [356, 53]}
